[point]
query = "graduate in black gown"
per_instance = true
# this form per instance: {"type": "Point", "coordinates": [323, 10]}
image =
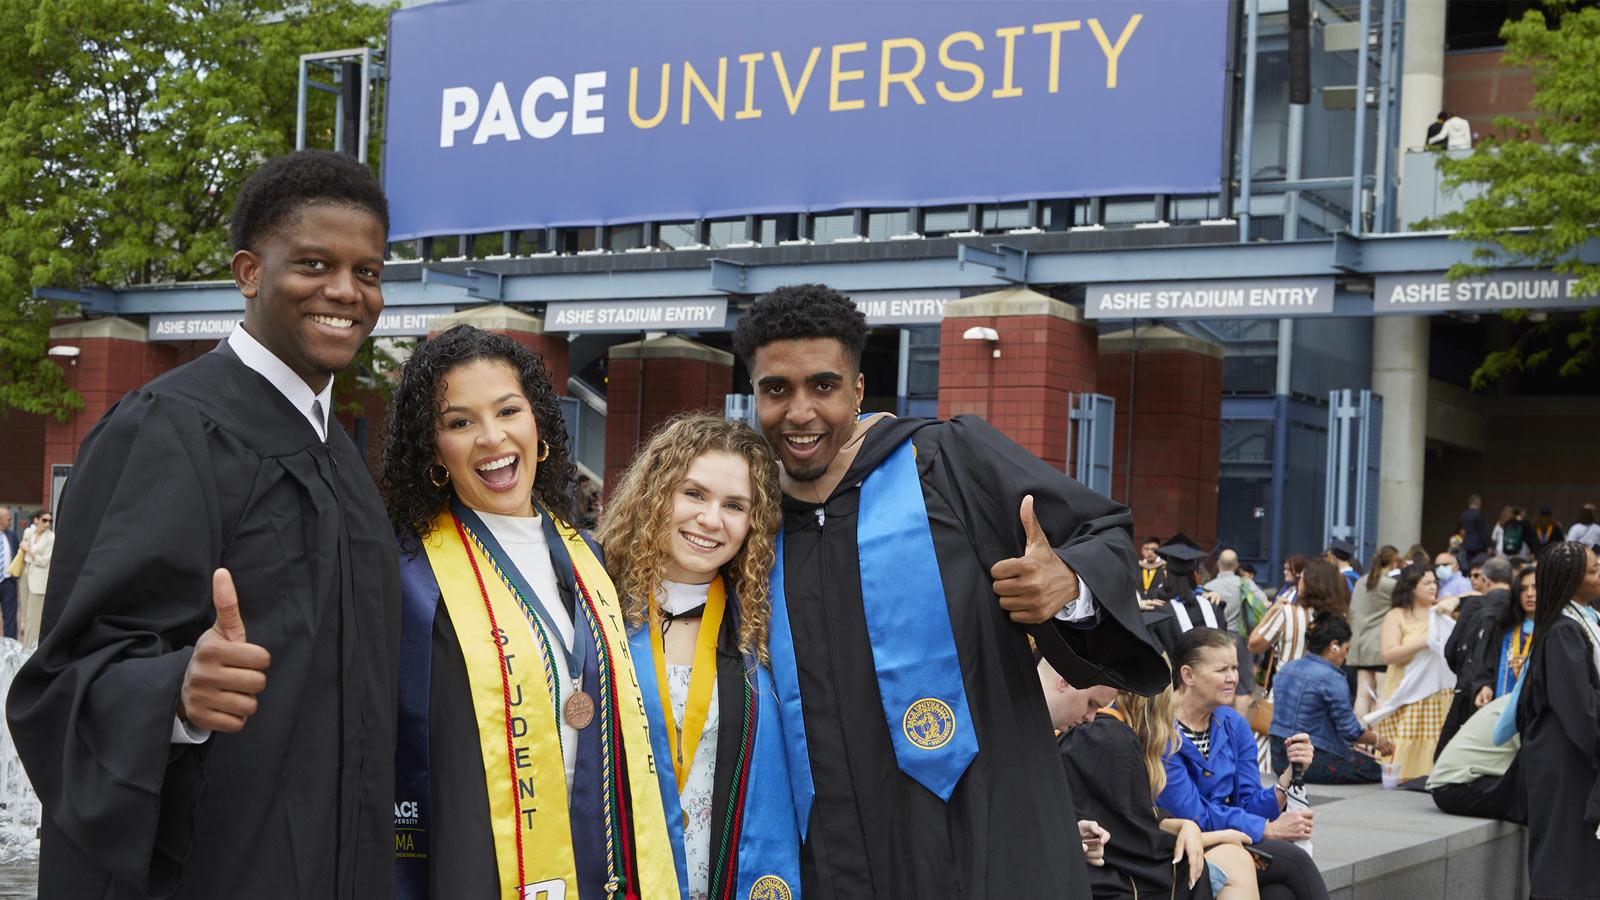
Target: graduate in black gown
{"type": "Point", "coordinates": [1558, 716]}
{"type": "Point", "coordinates": [217, 520]}
{"type": "Point", "coordinates": [987, 544]}
{"type": "Point", "coordinates": [1186, 606]}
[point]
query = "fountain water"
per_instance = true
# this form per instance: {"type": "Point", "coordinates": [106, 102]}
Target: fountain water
{"type": "Point", "coordinates": [19, 806]}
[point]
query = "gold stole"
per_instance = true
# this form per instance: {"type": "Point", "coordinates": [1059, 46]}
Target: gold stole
{"type": "Point", "coordinates": [517, 727]}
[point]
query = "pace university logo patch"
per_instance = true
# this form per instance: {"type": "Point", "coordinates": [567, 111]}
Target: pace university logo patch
{"type": "Point", "coordinates": [929, 723]}
{"type": "Point", "coordinates": [770, 887]}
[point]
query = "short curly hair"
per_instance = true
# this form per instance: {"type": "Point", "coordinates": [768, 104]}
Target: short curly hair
{"type": "Point", "coordinates": [284, 185]}
{"type": "Point", "coordinates": [799, 311]}
{"type": "Point", "coordinates": [409, 495]}
{"type": "Point", "coordinates": [635, 531]}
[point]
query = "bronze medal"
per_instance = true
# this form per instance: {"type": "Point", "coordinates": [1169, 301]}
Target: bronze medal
{"type": "Point", "coordinates": [578, 710]}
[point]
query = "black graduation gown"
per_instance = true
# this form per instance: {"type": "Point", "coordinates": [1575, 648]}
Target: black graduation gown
{"type": "Point", "coordinates": [1158, 583]}
{"type": "Point", "coordinates": [1473, 653]}
{"type": "Point", "coordinates": [1165, 628]}
{"type": "Point", "coordinates": [875, 832]}
{"type": "Point", "coordinates": [1559, 719]}
{"type": "Point", "coordinates": [210, 466]}
{"type": "Point", "coordinates": [1105, 766]}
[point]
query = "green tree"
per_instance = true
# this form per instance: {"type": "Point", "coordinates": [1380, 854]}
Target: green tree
{"type": "Point", "coordinates": [126, 129]}
{"type": "Point", "coordinates": [1541, 185]}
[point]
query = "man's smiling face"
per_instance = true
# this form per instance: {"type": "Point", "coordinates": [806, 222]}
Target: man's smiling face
{"type": "Point", "coordinates": [807, 393]}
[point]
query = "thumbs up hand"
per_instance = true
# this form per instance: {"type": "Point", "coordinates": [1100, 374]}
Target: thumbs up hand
{"type": "Point", "coordinates": [226, 672]}
{"type": "Point", "coordinates": [1035, 586]}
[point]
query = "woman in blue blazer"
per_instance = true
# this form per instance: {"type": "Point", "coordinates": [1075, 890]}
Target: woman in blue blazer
{"type": "Point", "coordinates": [1212, 777]}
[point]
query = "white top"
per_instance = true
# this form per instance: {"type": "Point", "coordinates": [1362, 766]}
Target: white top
{"type": "Point", "coordinates": [522, 537]}
{"type": "Point", "coordinates": [294, 389]}
{"type": "Point", "coordinates": [314, 407]}
{"type": "Point", "coordinates": [696, 796]}
{"type": "Point", "coordinates": [1584, 534]}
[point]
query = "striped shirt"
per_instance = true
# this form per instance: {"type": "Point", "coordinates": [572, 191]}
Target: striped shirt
{"type": "Point", "coordinates": [1287, 631]}
{"type": "Point", "coordinates": [1200, 739]}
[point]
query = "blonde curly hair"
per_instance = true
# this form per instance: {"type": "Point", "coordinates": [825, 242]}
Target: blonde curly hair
{"type": "Point", "coordinates": [634, 532]}
{"type": "Point", "coordinates": [1151, 719]}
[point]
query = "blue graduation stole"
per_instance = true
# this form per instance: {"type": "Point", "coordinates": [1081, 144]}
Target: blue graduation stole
{"type": "Point", "coordinates": [769, 835]}
{"type": "Point", "coordinates": [913, 645]}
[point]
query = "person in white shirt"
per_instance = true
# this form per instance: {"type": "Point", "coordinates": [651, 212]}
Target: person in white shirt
{"type": "Point", "coordinates": [1454, 134]}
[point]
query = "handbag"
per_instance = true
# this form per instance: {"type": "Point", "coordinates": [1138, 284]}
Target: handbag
{"type": "Point", "coordinates": [1259, 715]}
{"type": "Point", "coordinates": [15, 569]}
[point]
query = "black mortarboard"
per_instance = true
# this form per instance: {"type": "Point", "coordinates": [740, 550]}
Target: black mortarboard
{"type": "Point", "coordinates": [1184, 539]}
{"type": "Point", "coordinates": [1184, 554]}
{"type": "Point", "coordinates": [1342, 549]}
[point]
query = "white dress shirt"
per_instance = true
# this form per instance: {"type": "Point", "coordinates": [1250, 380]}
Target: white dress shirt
{"type": "Point", "coordinates": [314, 406]}
{"type": "Point", "coordinates": [293, 388]}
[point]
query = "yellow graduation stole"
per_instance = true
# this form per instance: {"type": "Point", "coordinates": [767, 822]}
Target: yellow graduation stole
{"type": "Point", "coordinates": [702, 679]}
{"type": "Point", "coordinates": [517, 727]}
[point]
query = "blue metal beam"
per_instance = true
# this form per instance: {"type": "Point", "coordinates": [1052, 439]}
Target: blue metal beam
{"type": "Point", "coordinates": [1344, 255]}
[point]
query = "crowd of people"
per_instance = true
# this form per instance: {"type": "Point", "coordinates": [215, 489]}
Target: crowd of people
{"type": "Point", "coordinates": [1427, 672]}
{"type": "Point", "coordinates": [24, 572]}
{"type": "Point", "coordinates": [844, 655]}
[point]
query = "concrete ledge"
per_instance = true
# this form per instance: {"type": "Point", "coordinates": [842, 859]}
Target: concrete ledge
{"type": "Point", "coordinates": [111, 327]}
{"type": "Point", "coordinates": [1157, 338]}
{"type": "Point", "coordinates": [671, 347]}
{"type": "Point", "coordinates": [491, 318]}
{"type": "Point", "coordinates": [1379, 844]}
{"type": "Point", "coordinates": [1011, 302]}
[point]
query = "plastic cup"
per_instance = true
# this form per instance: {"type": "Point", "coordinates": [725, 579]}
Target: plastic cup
{"type": "Point", "coordinates": [1391, 776]}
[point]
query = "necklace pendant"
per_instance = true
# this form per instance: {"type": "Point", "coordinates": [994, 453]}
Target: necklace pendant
{"type": "Point", "coordinates": [578, 711]}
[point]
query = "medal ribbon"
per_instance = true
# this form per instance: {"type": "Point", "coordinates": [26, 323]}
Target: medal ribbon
{"type": "Point", "coordinates": [702, 679]}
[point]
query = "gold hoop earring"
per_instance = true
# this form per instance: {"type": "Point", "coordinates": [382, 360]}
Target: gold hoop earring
{"type": "Point", "coordinates": [439, 475]}
{"type": "Point", "coordinates": [544, 451]}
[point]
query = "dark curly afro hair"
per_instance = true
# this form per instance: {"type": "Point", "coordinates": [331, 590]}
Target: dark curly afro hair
{"type": "Point", "coordinates": [800, 311]}
{"type": "Point", "coordinates": [285, 185]}
{"type": "Point", "coordinates": [410, 497]}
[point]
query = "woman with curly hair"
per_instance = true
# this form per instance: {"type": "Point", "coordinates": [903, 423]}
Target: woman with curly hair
{"type": "Point", "coordinates": [524, 763]}
{"type": "Point", "coordinates": [689, 540]}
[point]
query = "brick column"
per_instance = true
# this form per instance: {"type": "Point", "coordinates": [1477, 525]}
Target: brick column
{"type": "Point", "coordinates": [1176, 403]}
{"type": "Point", "coordinates": [114, 356]}
{"type": "Point", "coordinates": [650, 381]}
{"type": "Point", "coordinates": [1047, 353]}
{"type": "Point", "coordinates": [520, 327]}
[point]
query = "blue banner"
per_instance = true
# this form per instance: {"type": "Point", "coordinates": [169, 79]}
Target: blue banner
{"type": "Point", "coordinates": [509, 114]}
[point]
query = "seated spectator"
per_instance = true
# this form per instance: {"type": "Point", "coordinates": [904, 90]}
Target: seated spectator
{"type": "Point", "coordinates": [1473, 776]}
{"type": "Point", "coordinates": [1419, 685]}
{"type": "Point", "coordinates": [1311, 696]}
{"type": "Point", "coordinates": [1149, 854]}
{"type": "Point", "coordinates": [1473, 651]}
{"type": "Point", "coordinates": [1212, 777]}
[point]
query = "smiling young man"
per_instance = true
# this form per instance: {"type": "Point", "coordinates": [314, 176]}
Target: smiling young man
{"type": "Point", "coordinates": [916, 556]}
{"type": "Point", "coordinates": [210, 713]}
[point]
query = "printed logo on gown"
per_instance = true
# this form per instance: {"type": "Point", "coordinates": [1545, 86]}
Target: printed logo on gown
{"type": "Point", "coordinates": [770, 887]}
{"type": "Point", "coordinates": [930, 723]}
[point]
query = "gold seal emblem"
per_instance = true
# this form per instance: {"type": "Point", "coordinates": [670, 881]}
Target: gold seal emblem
{"type": "Point", "coordinates": [770, 887]}
{"type": "Point", "coordinates": [929, 723]}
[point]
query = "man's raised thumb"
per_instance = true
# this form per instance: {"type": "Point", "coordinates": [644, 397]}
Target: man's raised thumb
{"type": "Point", "coordinates": [229, 623]}
{"type": "Point", "coordinates": [1030, 524]}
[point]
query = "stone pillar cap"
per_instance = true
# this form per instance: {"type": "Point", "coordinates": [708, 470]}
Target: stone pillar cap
{"type": "Point", "coordinates": [109, 327]}
{"type": "Point", "coordinates": [1017, 301]}
{"type": "Point", "coordinates": [671, 347]}
{"type": "Point", "coordinates": [497, 317]}
{"type": "Point", "coordinates": [1157, 338]}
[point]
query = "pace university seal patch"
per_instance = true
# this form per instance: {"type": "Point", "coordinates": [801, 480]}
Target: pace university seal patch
{"type": "Point", "coordinates": [770, 887]}
{"type": "Point", "coordinates": [929, 723]}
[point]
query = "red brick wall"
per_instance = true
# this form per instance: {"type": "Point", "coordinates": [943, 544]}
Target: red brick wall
{"type": "Point", "coordinates": [1177, 439]}
{"type": "Point", "coordinates": [1479, 87]}
{"type": "Point", "coordinates": [105, 370]}
{"type": "Point", "coordinates": [554, 350]}
{"type": "Point", "coordinates": [1026, 393]}
{"type": "Point", "coordinates": [21, 456]}
{"type": "Point", "coordinates": [671, 386]}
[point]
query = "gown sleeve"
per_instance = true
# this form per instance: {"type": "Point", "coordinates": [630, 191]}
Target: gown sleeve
{"type": "Point", "coordinates": [987, 475]}
{"type": "Point", "coordinates": [130, 592]}
{"type": "Point", "coordinates": [1567, 662]}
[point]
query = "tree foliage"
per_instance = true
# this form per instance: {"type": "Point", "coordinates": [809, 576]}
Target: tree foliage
{"type": "Point", "coordinates": [126, 129]}
{"type": "Point", "coordinates": [1541, 185]}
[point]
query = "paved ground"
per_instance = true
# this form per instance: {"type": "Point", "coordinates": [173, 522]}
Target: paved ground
{"type": "Point", "coordinates": [19, 881]}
